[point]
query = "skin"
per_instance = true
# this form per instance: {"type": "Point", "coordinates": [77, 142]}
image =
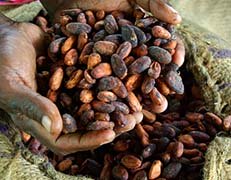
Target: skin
{"type": "Point", "coordinates": [20, 43]}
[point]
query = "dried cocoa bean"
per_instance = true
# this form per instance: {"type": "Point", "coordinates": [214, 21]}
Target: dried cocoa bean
{"type": "Point", "coordinates": [147, 85]}
{"type": "Point", "coordinates": [118, 66]}
{"type": "Point", "coordinates": [100, 125]}
{"type": "Point", "coordinates": [71, 57]}
{"type": "Point", "coordinates": [76, 76]}
{"type": "Point", "coordinates": [102, 116]}
{"type": "Point", "coordinates": [171, 170]}
{"type": "Point", "coordinates": [102, 106]}
{"type": "Point", "coordinates": [69, 124]}
{"type": "Point", "coordinates": [131, 162]}
{"type": "Point", "coordinates": [124, 49]}
{"type": "Point", "coordinates": [90, 18]}
{"type": "Point", "coordinates": [139, 65]}
{"type": "Point", "coordinates": [56, 79]}
{"type": "Point", "coordinates": [106, 96]}
{"type": "Point", "coordinates": [128, 34]}
{"type": "Point", "coordinates": [174, 81]}
{"type": "Point", "coordinates": [107, 83]}
{"type": "Point", "coordinates": [106, 48]}
{"type": "Point", "coordinates": [155, 169]}
{"type": "Point", "coordinates": [76, 28]}
{"type": "Point", "coordinates": [119, 172]}
{"type": "Point", "coordinates": [101, 70]}
{"type": "Point", "coordinates": [120, 90]}
{"type": "Point", "coordinates": [160, 32]}
{"type": "Point", "coordinates": [120, 106]}
{"type": "Point", "coordinates": [159, 54]}
{"type": "Point", "coordinates": [110, 24]}
{"type": "Point", "coordinates": [82, 40]}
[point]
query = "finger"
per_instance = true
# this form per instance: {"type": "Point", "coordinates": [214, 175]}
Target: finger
{"type": "Point", "coordinates": [71, 143]}
{"type": "Point", "coordinates": [161, 10]}
{"type": "Point", "coordinates": [179, 55]}
{"type": "Point", "coordinates": [164, 12]}
{"type": "Point", "coordinates": [36, 107]}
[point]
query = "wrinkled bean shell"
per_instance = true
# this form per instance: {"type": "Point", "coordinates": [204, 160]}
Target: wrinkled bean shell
{"type": "Point", "coordinates": [110, 24]}
{"type": "Point", "coordinates": [174, 81]}
{"type": "Point", "coordinates": [100, 125]}
{"type": "Point", "coordinates": [139, 65]}
{"type": "Point", "coordinates": [118, 66]}
{"type": "Point", "coordinates": [76, 28]}
{"type": "Point", "coordinates": [159, 54]}
{"type": "Point", "coordinates": [105, 47]}
{"type": "Point", "coordinates": [128, 34]}
{"type": "Point", "coordinates": [102, 106]}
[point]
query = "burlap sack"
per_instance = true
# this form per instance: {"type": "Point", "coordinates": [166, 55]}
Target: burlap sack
{"type": "Point", "coordinates": [208, 58]}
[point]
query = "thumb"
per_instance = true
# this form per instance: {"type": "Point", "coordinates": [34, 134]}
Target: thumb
{"type": "Point", "coordinates": [36, 107]}
{"type": "Point", "coordinates": [161, 10]}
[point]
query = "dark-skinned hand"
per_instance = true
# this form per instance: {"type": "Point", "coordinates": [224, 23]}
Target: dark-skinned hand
{"type": "Point", "coordinates": [20, 44]}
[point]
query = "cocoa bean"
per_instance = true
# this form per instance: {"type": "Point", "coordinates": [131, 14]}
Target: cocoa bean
{"type": "Point", "coordinates": [139, 65]}
{"type": "Point", "coordinates": [171, 170]}
{"type": "Point", "coordinates": [199, 136]}
{"type": "Point", "coordinates": [90, 18]}
{"type": "Point", "coordinates": [99, 36]}
{"type": "Point", "coordinates": [174, 81]}
{"type": "Point", "coordinates": [68, 44]}
{"type": "Point", "coordinates": [106, 48]}
{"type": "Point", "coordinates": [107, 83]}
{"type": "Point", "coordinates": [133, 102]}
{"type": "Point", "coordinates": [101, 70]}
{"type": "Point", "coordinates": [155, 169]}
{"type": "Point", "coordinates": [159, 54]}
{"type": "Point", "coordinates": [133, 82]}
{"type": "Point", "coordinates": [71, 57]}
{"type": "Point", "coordinates": [86, 96]}
{"type": "Point", "coordinates": [100, 14]}
{"type": "Point", "coordinates": [118, 66]}
{"type": "Point", "coordinates": [69, 124]}
{"type": "Point", "coordinates": [140, 175]}
{"type": "Point", "coordinates": [124, 49]}
{"type": "Point", "coordinates": [76, 28]}
{"type": "Point", "coordinates": [128, 34]}
{"type": "Point", "coordinates": [154, 70]}
{"type": "Point", "coordinates": [119, 172]}
{"type": "Point", "coordinates": [114, 38]}
{"type": "Point", "coordinates": [106, 96]}
{"type": "Point", "coordinates": [131, 162]}
{"type": "Point", "coordinates": [82, 40]}
{"type": "Point", "coordinates": [100, 125]}
{"type": "Point", "coordinates": [120, 90]}
{"type": "Point", "coordinates": [147, 85]}
{"type": "Point", "coordinates": [119, 106]}
{"type": "Point", "coordinates": [76, 76]}
{"type": "Point", "coordinates": [110, 24]}
{"type": "Point", "coordinates": [102, 106]}
{"type": "Point", "coordinates": [102, 116]}
{"type": "Point", "coordinates": [160, 32]}
{"type": "Point", "coordinates": [81, 18]}
{"type": "Point", "coordinates": [56, 79]}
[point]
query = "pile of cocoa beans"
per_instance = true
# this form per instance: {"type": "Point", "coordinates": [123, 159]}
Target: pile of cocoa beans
{"type": "Point", "coordinates": [104, 68]}
{"type": "Point", "coordinates": [167, 146]}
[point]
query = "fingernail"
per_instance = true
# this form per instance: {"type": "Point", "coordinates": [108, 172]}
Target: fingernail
{"type": "Point", "coordinates": [46, 122]}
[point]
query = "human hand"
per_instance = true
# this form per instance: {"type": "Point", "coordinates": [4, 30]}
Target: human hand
{"type": "Point", "coordinates": [31, 112]}
{"type": "Point", "coordinates": [159, 8]}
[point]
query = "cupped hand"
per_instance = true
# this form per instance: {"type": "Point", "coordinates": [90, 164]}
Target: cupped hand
{"type": "Point", "coordinates": [31, 112]}
{"type": "Point", "coordinates": [159, 8]}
